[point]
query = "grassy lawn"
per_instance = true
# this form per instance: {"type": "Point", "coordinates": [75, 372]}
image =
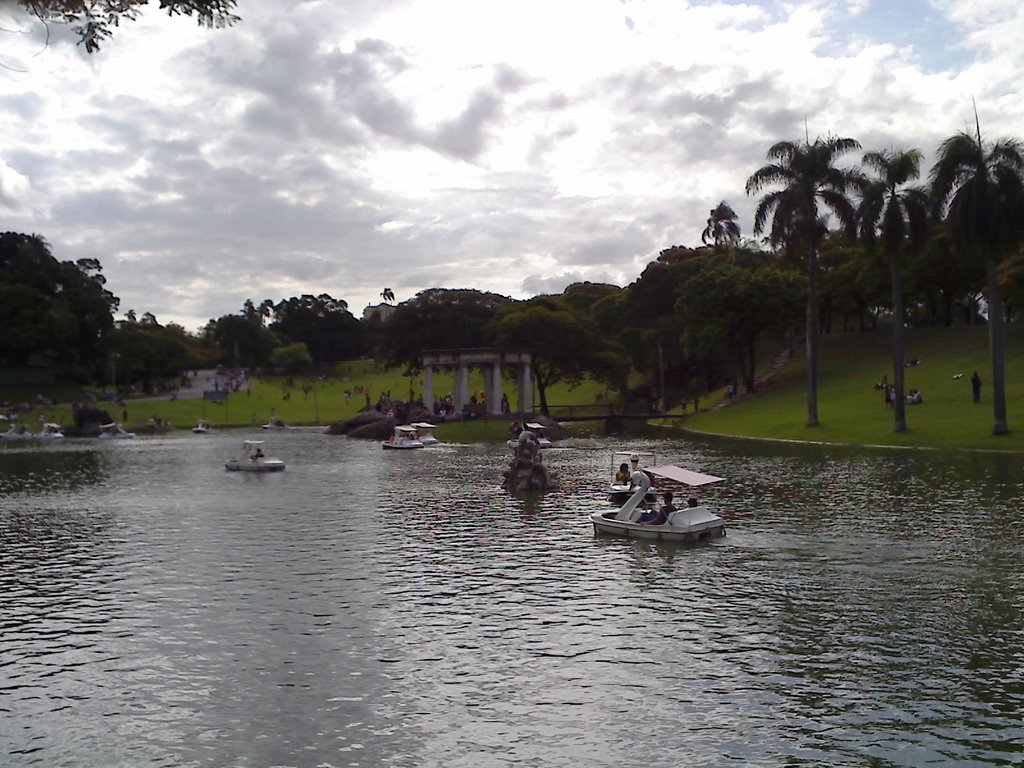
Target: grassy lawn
{"type": "Point", "coordinates": [852, 411]}
{"type": "Point", "coordinates": [305, 402]}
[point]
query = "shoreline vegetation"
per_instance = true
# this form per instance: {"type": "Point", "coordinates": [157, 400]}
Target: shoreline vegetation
{"type": "Point", "coordinates": [852, 409]}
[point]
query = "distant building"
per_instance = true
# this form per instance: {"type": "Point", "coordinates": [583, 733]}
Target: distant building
{"type": "Point", "coordinates": [381, 311]}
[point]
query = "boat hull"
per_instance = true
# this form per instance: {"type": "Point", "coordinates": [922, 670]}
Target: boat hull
{"type": "Point", "coordinates": [690, 527]}
{"type": "Point", "coordinates": [409, 445]}
{"type": "Point", "coordinates": [274, 465]}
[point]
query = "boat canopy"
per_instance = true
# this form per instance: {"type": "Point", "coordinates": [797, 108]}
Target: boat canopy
{"type": "Point", "coordinates": [252, 442]}
{"type": "Point", "coordinates": [534, 425]}
{"type": "Point", "coordinates": [424, 425]}
{"type": "Point", "coordinates": [405, 428]}
{"type": "Point", "coordinates": [680, 475]}
{"type": "Point", "coordinates": [111, 425]}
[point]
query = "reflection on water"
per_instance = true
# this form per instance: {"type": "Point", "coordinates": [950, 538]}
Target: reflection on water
{"type": "Point", "coordinates": [372, 607]}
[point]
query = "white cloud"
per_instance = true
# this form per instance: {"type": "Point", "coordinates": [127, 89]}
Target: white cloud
{"type": "Point", "coordinates": [511, 147]}
{"type": "Point", "coordinates": [13, 186]}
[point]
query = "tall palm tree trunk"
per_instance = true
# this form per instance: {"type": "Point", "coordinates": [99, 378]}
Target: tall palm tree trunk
{"type": "Point", "coordinates": [898, 347]}
{"type": "Point", "coordinates": [812, 338]}
{"type": "Point", "coordinates": [997, 348]}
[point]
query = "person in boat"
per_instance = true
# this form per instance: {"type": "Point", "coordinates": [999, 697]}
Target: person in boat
{"type": "Point", "coordinates": [514, 430]}
{"type": "Point", "coordinates": [660, 517]}
{"type": "Point", "coordinates": [257, 454]}
{"type": "Point", "coordinates": [622, 476]}
{"type": "Point", "coordinates": [692, 502]}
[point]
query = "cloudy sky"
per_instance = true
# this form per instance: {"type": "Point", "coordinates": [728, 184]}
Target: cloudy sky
{"type": "Point", "coordinates": [346, 146]}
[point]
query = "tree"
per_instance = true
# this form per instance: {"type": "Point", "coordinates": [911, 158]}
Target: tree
{"type": "Point", "coordinates": [649, 331]}
{"type": "Point", "coordinates": [980, 186]}
{"type": "Point", "coordinates": [563, 346]}
{"type": "Point", "coordinates": [292, 358]}
{"type": "Point", "coordinates": [94, 20]}
{"type": "Point", "coordinates": [899, 214]}
{"type": "Point", "coordinates": [723, 228]}
{"type": "Point", "coordinates": [948, 277]}
{"type": "Point", "coordinates": [438, 318]}
{"type": "Point", "coordinates": [241, 340]}
{"type": "Point", "coordinates": [52, 311]}
{"type": "Point", "coordinates": [805, 177]}
{"type": "Point", "coordinates": [726, 307]}
{"type": "Point", "coordinates": [149, 352]}
{"type": "Point", "coordinates": [323, 324]}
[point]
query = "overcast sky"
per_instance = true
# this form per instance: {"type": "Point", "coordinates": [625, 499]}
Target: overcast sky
{"type": "Point", "coordinates": [347, 146]}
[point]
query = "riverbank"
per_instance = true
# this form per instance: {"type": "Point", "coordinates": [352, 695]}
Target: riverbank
{"type": "Point", "coordinates": [852, 410]}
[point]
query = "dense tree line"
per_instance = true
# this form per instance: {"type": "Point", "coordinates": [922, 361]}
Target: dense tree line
{"type": "Point", "coordinates": [53, 312]}
{"type": "Point", "coordinates": [857, 246]}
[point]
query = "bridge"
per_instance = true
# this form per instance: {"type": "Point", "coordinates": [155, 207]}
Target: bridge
{"type": "Point", "coordinates": [604, 412]}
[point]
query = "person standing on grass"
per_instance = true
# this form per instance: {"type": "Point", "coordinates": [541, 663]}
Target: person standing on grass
{"type": "Point", "coordinates": [976, 387]}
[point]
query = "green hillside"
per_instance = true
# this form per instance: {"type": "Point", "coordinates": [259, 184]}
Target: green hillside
{"type": "Point", "coordinates": [852, 410]}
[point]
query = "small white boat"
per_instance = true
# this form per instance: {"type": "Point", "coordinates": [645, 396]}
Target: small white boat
{"type": "Point", "coordinates": [426, 436]}
{"type": "Point", "coordinates": [50, 431]}
{"type": "Point", "coordinates": [17, 432]}
{"type": "Point", "coordinates": [538, 429]}
{"type": "Point", "coordinates": [624, 464]}
{"type": "Point", "coordinates": [405, 437]}
{"type": "Point", "coordinates": [691, 523]}
{"type": "Point", "coordinates": [114, 431]}
{"type": "Point", "coordinates": [202, 427]}
{"type": "Point", "coordinates": [252, 459]}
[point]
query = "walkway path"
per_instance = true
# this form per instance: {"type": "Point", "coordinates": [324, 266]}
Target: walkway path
{"type": "Point", "coordinates": [762, 381]}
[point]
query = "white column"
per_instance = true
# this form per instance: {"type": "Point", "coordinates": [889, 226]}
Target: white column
{"type": "Point", "coordinates": [494, 395]}
{"type": "Point", "coordinates": [428, 387]}
{"type": "Point", "coordinates": [525, 389]}
{"type": "Point", "coordinates": [461, 387]}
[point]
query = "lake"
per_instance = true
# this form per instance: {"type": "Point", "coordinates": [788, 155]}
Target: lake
{"type": "Point", "coordinates": [398, 608]}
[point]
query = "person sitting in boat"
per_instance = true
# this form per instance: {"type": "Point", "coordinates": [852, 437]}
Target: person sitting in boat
{"type": "Point", "coordinates": [622, 476]}
{"type": "Point", "coordinates": [659, 517]}
{"type": "Point", "coordinates": [257, 454]}
{"type": "Point", "coordinates": [692, 502]}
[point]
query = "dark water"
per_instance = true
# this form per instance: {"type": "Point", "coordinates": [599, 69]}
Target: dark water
{"type": "Point", "coordinates": [372, 608]}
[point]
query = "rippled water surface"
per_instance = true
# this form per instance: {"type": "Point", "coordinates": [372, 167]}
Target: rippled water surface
{"type": "Point", "coordinates": [387, 608]}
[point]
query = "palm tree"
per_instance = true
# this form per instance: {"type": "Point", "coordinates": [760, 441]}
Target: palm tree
{"type": "Point", "coordinates": [723, 227]}
{"type": "Point", "coordinates": [804, 176]}
{"type": "Point", "coordinates": [900, 215]}
{"type": "Point", "coordinates": [388, 295]}
{"type": "Point", "coordinates": [980, 186]}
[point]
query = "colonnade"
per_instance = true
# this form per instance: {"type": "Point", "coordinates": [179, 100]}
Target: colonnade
{"type": "Point", "coordinates": [492, 362]}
